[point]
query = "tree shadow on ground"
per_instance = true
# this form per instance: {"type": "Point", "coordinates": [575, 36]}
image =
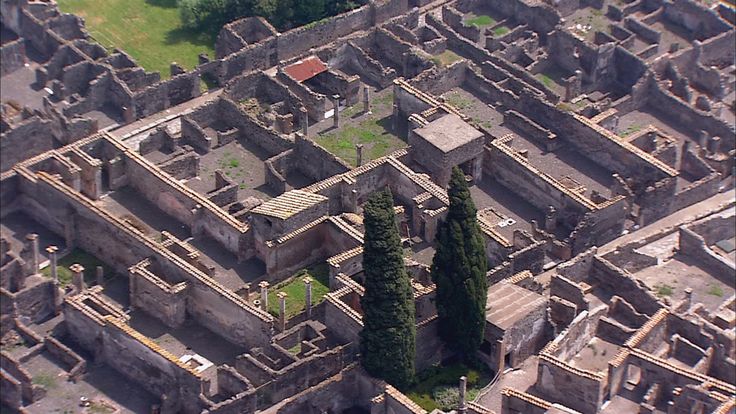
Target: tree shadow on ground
{"type": "Point", "coordinates": [193, 36]}
{"type": "Point", "coordinates": [168, 4]}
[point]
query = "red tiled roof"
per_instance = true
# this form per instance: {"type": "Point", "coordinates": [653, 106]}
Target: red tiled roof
{"type": "Point", "coordinates": [306, 69]}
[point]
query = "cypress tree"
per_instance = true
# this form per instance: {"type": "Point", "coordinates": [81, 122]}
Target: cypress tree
{"type": "Point", "coordinates": [387, 341]}
{"type": "Point", "coordinates": [459, 270]}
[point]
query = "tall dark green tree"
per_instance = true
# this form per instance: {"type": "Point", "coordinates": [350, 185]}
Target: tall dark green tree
{"type": "Point", "coordinates": [387, 341]}
{"type": "Point", "coordinates": [459, 271]}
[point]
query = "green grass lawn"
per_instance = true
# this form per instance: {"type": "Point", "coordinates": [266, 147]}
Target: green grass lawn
{"type": "Point", "coordinates": [371, 131]}
{"type": "Point", "coordinates": [148, 30]}
{"type": "Point", "coordinates": [80, 256]}
{"type": "Point", "coordinates": [294, 287]}
{"type": "Point", "coordinates": [500, 31]}
{"type": "Point", "coordinates": [480, 20]}
{"type": "Point", "coordinates": [437, 387]}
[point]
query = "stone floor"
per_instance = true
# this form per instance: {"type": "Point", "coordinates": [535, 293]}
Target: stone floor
{"type": "Point", "coordinates": [127, 203]}
{"type": "Point", "coordinates": [242, 162]}
{"type": "Point", "coordinates": [488, 193]}
{"type": "Point", "coordinates": [595, 355]}
{"type": "Point", "coordinates": [521, 379]}
{"type": "Point", "coordinates": [230, 273]}
{"type": "Point", "coordinates": [682, 272]}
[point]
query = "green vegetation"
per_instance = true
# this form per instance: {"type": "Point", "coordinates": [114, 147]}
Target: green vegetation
{"type": "Point", "coordinates": [446, 58]}
{"type": "Point", "coordinates": [632, 129]}
{"type": "Point", "coordinates": [387, 341]}
{"type": "Point", "coordinates": [459, 270]}
{"type": "Point", "coordinates": [294, 287]}
{"type": "Point", "coordinates": [46, 380]}
{"type": "Point", "coordinates": [150, 31]}
{"type": "Point", "coordinates": [715, 290]}
{"type": "Point", "coordinates": [546, 80]}
{"type": "Point", "coordinates": [664, 289]}
{"type": "Point", "coordinates": [437, 387]}
{"type": "Point", "coordinates": [458, 101]}
{"type": "Point", "coordinates": [501, 30]}
{"type": "Point", "coordinates": [100, 408]}
{"type": "Point", "coordinates": [371, 131]}
{"type": "Point", "coordinates": [211, 15]}
{"type": "Point", "coordinates": [480, 20]}
{"type": "Point", "coordinates": [80, 256]}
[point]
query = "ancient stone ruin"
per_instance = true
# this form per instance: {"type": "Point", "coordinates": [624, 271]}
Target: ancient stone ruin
{"type": "Point", "coordinates": [154, 234]}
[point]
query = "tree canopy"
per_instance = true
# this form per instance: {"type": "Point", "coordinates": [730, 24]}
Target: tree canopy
{"type": "Point", "coordinates": [459, 270]}
{"type": "Point", "coordinates": [387, 341]}
{"type": "Point", "coordinates": [211, 15]}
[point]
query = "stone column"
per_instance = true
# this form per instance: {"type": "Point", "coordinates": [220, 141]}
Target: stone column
{"type": "Point", "coordinates": [33, 242]}
{"type": "Point", "coordinates": [366, 99]}
{"type": "Point", "coordinates": [308, 300]}
{"type": "Point", "coordinates": [264, 295]}
{"type": "Point", "coordinates": [550, 219]}
{"type": "Point", "coordinates": [703, 139]}
{"type": "Point", "coordinates": [51, 250]}
{"type": "Point", "coordinates": [461, 406]}
{"type": "Point", "coordinates": [100, 273]}
{"type": "Point", "coordinates": [714, 145]}
{"type": "Point", "coordinates": [282, 310]}
{"type": "Point", "coordinates": [395, 118]}
{"type": "Point", "coordinates": [688, 297]}
{"type": "Point", "coordinates": [305, 123]}
{"type": "Point", "coordinates": [77, 277]}
{"type": "Point", "coordinates": [359, 154]}
{"type": "Point", "coordinates": [336, 113]}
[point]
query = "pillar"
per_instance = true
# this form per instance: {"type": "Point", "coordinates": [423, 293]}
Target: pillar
{"type": "Point", "coordinates": [395, 118]}
{"type": "Point", "coordinates": [688, 297]}
{"type": "Point", "coordinates": [461, 406]}
{"type": "Point", "coordinates": [550, 219]}
{"type": "Point", "coordinates": [359, 154]}
{"type": "Point", "coordinates": [714, 145]}
{"type": "Point", "coordinates": [77, 277]}
{"type": "Point", "coordinates": [308, 295]}
{"type": "Point", "coordinates": [51, 250]}
{"type": "Point", "coordinates": [305, 123]}
{"type": "Point", "coordinates": [282, 310]}
{"type": "Point", "coordinates": [366, 99]}
{"type": "Point", "coordinates": [336, 113]}
{"type": "Point", "coordinates": [264, 295]}
{"type": "Point", "coordinates": [100, 274]}
{"type": "Point", "coordinates": [702, 139]}
{"type": "Point", "coordinates": [33, 242]}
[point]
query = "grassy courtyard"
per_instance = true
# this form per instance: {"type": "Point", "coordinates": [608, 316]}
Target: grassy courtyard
{"type": "Point", "coordinates": [480, 20]}
{"type": "Point", "coordinates": [373, 131]}
{"type": "Point", "coordinates": [85, 259]}
{"type": "Point", "coordinates": [148, 30]}
{"type": "Point", "coordinates": [297, 293]}
{"type": "Point", "coordinates": [437, 387]}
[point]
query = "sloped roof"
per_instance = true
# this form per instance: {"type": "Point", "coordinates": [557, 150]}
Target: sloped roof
{"type": "Point", "coordinates": [306, 68]}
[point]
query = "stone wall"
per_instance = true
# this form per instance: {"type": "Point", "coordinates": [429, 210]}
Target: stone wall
{"type": "Point", "coordinates": [693, 245]}
{"type": "Point", "coordinates": [31, 137]}
{"type": "Point", "coordinates": [12, 56]}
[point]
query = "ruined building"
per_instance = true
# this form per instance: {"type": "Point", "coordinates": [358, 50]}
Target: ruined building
{"type": "Point", "coordinates": [152, 230]}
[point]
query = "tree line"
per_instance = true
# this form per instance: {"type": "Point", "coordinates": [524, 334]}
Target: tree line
{"type": "Point", "coordinates": [211, 15]}
{"type": "Point", "coordinates": [388, 338]}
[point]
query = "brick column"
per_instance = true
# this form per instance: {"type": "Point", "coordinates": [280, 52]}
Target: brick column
{"type": "Point", "coordinates": [461, 406]}
{"type": "Point", "coordinates": [33, 241]}
{"type": "Point", "coordinates": [282, 310]}
{"type": "Point", "coordinates": [366, 99]}
{"type": "Point", "coordinates": [264, 295]}
{"type": "Point", "coordinates": [100, 274]}
{"type": "Point", "coordinates": [51, 250]}
{"type": "Point", "coordinates": [308, 289]}
{"type": "Point", "coordinates": [77, 277]}
{"type": "Point", "coordinates": [359, 154]}
{"type": "Point", "coordinates": [336, 113]}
